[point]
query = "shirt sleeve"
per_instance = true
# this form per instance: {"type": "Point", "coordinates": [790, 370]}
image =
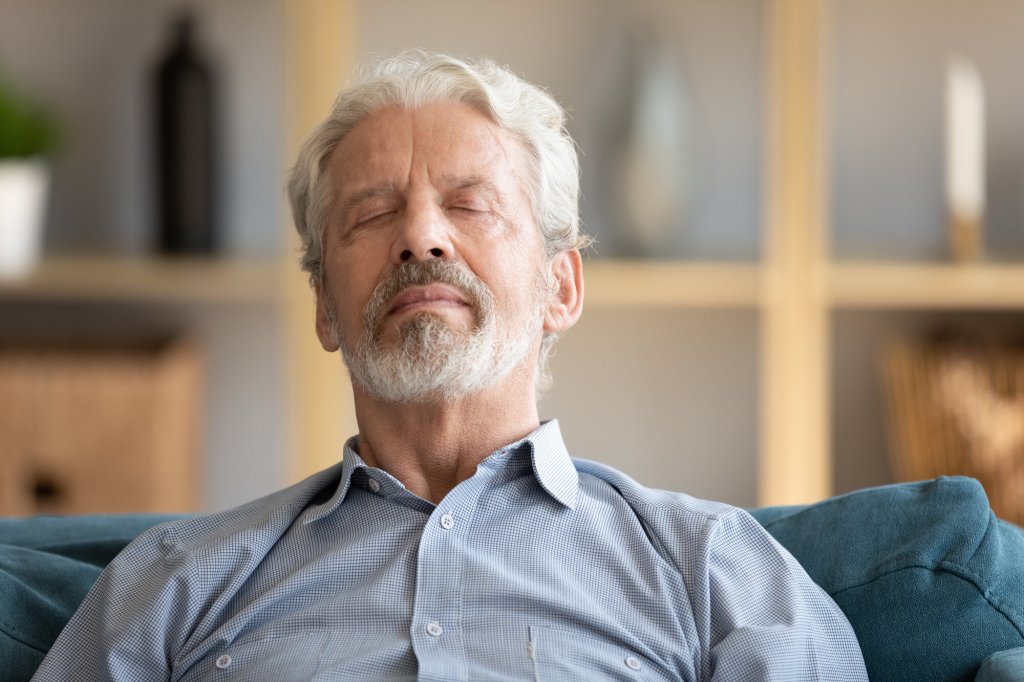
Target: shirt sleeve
{"type": "Point", "coordinates": [131, 622]}
{"type": "Point", "coordinates": [766, 619]}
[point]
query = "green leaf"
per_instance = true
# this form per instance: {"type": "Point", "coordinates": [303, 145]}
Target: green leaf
{"type": "Point", "coordinates": [26, 130]}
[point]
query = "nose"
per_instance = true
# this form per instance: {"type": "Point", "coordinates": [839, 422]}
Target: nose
{"type": "Point", "coordinates": [423, 234]}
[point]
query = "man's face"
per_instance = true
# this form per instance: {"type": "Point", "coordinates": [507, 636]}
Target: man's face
{"type": "Point", "coordinates": [434, 267]}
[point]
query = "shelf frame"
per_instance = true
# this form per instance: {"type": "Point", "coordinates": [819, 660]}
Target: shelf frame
{"type": "Point", "coordinates": [320, 51]}
{"type": "Point", "coordinates": [147, 279]}
{"type": "Point", "coordinates": [924, 286]}
{"type": "Point", "coordinates": [795, 464]}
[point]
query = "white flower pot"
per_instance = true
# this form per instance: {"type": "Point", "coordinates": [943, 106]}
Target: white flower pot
{"type": "Point", "coordinates": [23, 187]}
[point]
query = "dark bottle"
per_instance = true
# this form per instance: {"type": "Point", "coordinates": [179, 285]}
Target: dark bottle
{"type": "Point", "coordinates": [186, 146]}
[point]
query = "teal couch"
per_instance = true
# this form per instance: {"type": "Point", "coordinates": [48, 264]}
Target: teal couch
{"type": "Point", "coordinates": [931, 581]}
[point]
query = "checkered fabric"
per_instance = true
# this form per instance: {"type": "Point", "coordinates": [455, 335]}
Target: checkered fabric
{"type": "Point", "coordinates": [539, 567]}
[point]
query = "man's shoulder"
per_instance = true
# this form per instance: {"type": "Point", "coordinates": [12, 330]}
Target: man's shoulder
{"type": "Point", "coordinates": [672, 520]}
{"type": "Point", "coordinates": [264, 519]}
{"type": "Point", "coordinates": [596, 476]}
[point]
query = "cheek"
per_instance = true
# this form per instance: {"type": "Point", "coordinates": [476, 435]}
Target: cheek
{"type": "Point", "coordinates": [350, 297]}
{"type": "Point", "coordinates": [358, 271]}
{"type": "Point", "coordinates": [524, 292]}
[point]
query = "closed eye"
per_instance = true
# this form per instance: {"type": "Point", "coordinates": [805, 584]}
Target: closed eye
{"type": "Point", "coordinates": [375, 218]}
{"type": "Point", "coordinates": [470, 208]}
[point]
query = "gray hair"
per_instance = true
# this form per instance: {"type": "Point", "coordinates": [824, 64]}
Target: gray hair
{"type": "Point", "coordinates": [416, 78]}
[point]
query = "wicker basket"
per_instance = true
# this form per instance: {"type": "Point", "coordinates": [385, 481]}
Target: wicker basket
{"type": "Point", "coordinates": [99, 429]}
{"type": "Point", "coordinates": [958, 408]}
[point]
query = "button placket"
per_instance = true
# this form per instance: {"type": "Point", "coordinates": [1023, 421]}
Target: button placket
{"type": "Point", "coordinates": [441, 564]}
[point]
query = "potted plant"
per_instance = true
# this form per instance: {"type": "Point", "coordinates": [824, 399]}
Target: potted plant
{"type": "Point", "coordinates": [27, 135]}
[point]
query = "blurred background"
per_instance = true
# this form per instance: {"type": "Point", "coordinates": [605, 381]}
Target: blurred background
{"type": "Point", "coordinates": [763, 300]}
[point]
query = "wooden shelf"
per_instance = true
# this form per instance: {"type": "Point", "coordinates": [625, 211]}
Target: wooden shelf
{"type": "Point", "coordinates": [672, 284]}
{"type": "Point", "coordinates": [938, 286]}
{"type": "Point", "coordinates": [111, 279]}
{"type": "Point", "coordinates": [679, 284]}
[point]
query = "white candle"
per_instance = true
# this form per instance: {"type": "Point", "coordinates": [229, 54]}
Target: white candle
{"type": "Point", "coordinates": [965, 154]}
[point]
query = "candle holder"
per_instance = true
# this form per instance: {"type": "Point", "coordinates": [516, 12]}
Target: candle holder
{"type": "Point", "coordinates": [966, 238]}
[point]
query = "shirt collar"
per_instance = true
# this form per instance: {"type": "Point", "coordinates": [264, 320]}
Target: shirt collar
{"type": "Point", "coordinates": [552, 467]}
{"type": "Point", "coordinates": [552, 464]}
{"type": "Point", "coordinates": [350, 462]}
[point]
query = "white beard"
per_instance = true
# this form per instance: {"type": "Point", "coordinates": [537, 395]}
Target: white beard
{"type": "Point", "coordinates": [432, 360]}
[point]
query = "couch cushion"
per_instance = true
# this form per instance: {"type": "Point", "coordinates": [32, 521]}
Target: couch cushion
{"type": "Point", "coordinates": [47, 564]}
{"type": "Point", "coordinates": [930, 580]}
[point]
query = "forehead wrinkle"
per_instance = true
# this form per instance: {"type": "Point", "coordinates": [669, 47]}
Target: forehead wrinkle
{"type": "Point", "coordinates": [368, 150]}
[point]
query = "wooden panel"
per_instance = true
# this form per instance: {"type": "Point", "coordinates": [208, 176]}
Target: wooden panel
{"type": "Point", "coordinates": [99, 430]}
{"type": "Point", "coordinates": [881, 286]}
{"type": "Point", "coordinates": [320, 54]}
{"type": "Point", "coordinates": [795, 463]}
{"type": "Point", "coordinates": [111, 279]}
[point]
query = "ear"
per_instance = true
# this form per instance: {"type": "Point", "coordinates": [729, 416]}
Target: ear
{"type": "Point", "coordinates": [324, 329]}
{"type": "Point", "coordinates": [566, 303]}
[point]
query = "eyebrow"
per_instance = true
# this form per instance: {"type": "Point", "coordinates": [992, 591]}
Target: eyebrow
{"type": "Point", "coordinates": [352, 201]}
{"type": "Point", "coordinates": [461, 183]}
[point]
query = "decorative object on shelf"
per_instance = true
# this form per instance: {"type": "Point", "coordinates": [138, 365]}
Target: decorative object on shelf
{"type": "Point", "coordinates": [965, 159]}
{"type": "Point", "coordinates": [653, 185]}
{"type": "Point", "coordinates": [27, 135]}
{"type": "Point", "coordinates": [958, 408]}
{"type": "Point", "coordinates": [186, 132]}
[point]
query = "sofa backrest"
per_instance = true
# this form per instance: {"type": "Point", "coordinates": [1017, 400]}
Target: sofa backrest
{"type": "Point", "coordinates": [930, 580]}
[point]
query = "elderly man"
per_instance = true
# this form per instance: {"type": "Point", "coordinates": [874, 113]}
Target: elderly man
{"type": "Point", "coordinates": [456, 540]}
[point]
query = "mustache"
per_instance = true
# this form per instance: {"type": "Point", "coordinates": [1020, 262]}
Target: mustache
{"type": "Point", "coordinates": [410, 275]}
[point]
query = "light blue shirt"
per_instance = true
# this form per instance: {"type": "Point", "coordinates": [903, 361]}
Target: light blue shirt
{"type": "Point", "coordinates": [539, 567]}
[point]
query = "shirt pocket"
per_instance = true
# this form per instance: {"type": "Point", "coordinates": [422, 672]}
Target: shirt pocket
{"type": "Point", "coordinates": [564, 655]}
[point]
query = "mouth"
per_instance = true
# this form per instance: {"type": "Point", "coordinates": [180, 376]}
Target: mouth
{"type": "Point", "coordinates": [431, 296]}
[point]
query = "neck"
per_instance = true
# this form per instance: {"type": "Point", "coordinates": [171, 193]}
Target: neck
{"type": "Point", "coordinates": [433, 446]}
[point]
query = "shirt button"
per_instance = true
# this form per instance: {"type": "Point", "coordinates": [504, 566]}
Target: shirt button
{"type": "Point", "coordinates": [223, 661]}
{"type": "Point", "coordinates": [434, 628]}
{"type": "Point", "coordinates": [447, 521]}
{"type": "Point", "coordinates": [633, 663]}
{"type": "Point", "coordinates": [374, 486]}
